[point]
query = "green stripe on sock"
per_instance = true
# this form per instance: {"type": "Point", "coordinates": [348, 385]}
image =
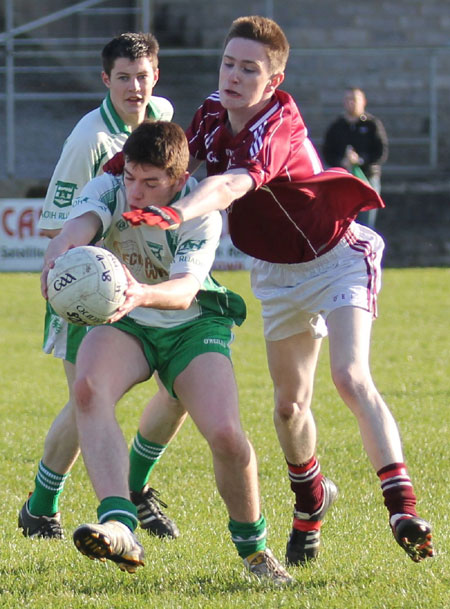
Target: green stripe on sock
{"type": "Point", "coordinates": [144, 455]}
{"type": "Point", "coordinates": [118, 508]}
{"type": "Point", "coordinates": [248, 537]}
{"type": "Point", "coordinates": [48, 487]}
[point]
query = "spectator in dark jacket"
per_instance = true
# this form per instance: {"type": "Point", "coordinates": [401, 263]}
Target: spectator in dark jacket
{"type": "Point", "coordinates": [357, 141]}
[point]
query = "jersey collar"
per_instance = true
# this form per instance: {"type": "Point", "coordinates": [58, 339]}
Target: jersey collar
{"type": "Point", "coordinates": [113, 121]}
{"type": "Point", "coordinates": [190, 183]}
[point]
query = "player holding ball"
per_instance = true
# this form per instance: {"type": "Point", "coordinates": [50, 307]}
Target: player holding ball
{"type": "Point", "coordinates": [175, 320]}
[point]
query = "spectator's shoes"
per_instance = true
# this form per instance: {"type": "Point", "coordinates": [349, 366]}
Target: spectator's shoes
{"type": "Point", "coordinates": [151, 518]}
{"type": "Point", "coordinates": [48, 527]}
{"type": "Point", "coordinates": [113, 541]}
{"type": "Point", "coordinates": [266, 567]}
{"type": "Point", "coordinates": [414, 536]}
{"type": "Point", "coordinates": [303, 545]}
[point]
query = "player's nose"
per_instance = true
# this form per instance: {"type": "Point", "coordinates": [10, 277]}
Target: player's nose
{"type": "Point", "coordinates": [135, 193]}
{"type": "Point", "coordinates": [134, 84]}
{"type": "Point", "coordinates": [234, 75]}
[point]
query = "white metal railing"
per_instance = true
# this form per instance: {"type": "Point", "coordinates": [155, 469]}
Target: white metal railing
{"type": "Point", "coordinates": [9, 38]}
{"type": "Point", "coordinates": [19, 48]}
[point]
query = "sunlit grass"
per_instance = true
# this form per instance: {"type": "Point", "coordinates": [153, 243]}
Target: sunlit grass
{"type": "Point", "coordinates": [360, 565]}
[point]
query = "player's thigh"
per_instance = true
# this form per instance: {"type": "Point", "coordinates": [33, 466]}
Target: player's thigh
{"type": "Point", "coordinates": [70, 372]}
{"type": "Point", "coordinates": [207, 389]}
{"type": "Point", "coordinates": [164, 396]}
{"type": "Point", "coordinates": [112, 358]}
{"type": "Point", "coordinates": [349, 330]}
{"type": "Point", "coordinates": [292, 363]}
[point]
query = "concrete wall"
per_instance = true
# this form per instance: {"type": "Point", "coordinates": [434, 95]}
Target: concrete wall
{"type": "Point", "coordinates": [415, 223]}
{"type": "Point", "coordinates": [394, 49]}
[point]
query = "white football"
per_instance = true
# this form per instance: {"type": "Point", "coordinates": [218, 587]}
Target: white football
{"type": "Point", "coordinates": [87, 285]}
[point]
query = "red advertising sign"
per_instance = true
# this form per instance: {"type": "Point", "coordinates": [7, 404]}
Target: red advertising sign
{"type": "Point", "coordinates": [21, 247]}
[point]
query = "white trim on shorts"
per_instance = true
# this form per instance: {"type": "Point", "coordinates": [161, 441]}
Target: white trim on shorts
{"type": "Point", "coordinates": [299, 297]}
{"type": "Point", "coordinates": [56, 340]}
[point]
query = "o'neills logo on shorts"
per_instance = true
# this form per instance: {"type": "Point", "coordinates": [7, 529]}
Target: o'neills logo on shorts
{"type": "Point", "coordinates": [215, 341]}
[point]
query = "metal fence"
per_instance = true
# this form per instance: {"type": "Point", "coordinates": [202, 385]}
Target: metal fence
{"type": "Point", "coordinates": [18, 48]}
{"type": "Point", "coordinates": [33, 55]}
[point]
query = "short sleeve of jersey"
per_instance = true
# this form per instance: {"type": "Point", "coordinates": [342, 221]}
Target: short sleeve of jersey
{"type": "Point", "coordinates": [84, 153]}
{"type": "Point", "coordinates": [100, 197]}
{"type": "Point", "coordinates": [161, 108]}
{"type": "Point", "coordinates": [197, 241]}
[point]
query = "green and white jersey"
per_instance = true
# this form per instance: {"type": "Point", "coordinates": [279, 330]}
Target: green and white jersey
{"type": "Point", "coordinates": [94, 140]}
{"type": "Point", "coordinates": [153, 255]}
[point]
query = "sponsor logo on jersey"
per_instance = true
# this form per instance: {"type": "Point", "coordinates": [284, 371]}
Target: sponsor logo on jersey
{"type": "Point", "coordinates": [211, 158]}
{"type": "Point", "coordinates": [190, 245]}
{"type": "Point", "coordinates": [142, 264]}
{"type": "Point", "coordinates": [64, 194]}
{"type": "Point", "coordinates": [156, 249]}
{"type": "Point", "coordinates": [121, 224]}
{"type": "Point", "coordinates": [139, 264]}
{"type": "Point", "coordinates": [61, 215]}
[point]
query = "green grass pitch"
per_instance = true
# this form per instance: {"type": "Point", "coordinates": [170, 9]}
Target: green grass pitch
{"type": "Point", "coordinates": [359, 567]}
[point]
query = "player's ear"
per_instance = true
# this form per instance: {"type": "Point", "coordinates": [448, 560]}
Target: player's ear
{"type": "Point", "coordinates": [182, 180]}
{"type": "Point", "coordinates": [106, 79]}
{"type": "Point", "coordinates": [275, 81]}
{"type": "Point", "coordinates": [155, 76]}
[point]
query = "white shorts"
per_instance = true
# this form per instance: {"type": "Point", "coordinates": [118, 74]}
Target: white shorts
{"type": "Point", "coordinates": [299, 297]}
{"type": "Point", "coordinates": [61, 337]}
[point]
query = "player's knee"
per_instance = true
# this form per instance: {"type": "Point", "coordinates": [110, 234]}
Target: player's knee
{"type": "Point", "coordinates": [228, 442]}
{"type": "Point", "coordinates": [350, 382]}
{"type": "Point", "coordinates": [85, 393]}
{"type": "Point", "coordinates": [286, 410]}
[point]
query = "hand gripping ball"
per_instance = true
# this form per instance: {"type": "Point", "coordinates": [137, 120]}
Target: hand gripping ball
{"type": "Point", "coordinates": [87, 285]}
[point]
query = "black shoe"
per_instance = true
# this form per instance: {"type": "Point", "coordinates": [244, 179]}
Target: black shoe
{"type": "Point", "coordinates": [414, 536]}
{"type": "Point", "coordinates": [304, 545]}
{"type": "Point", "coordinates": [151, 518]}
{"type": "Point", "coordinates": [48, 527]}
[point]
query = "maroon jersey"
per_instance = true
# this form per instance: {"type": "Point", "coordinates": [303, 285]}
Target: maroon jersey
{"type": "Point", "coordinates": [297, 211]}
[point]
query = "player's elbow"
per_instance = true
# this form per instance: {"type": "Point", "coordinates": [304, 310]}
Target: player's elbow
{"type": "Point", "coordinates": [232, 186]}
{"type": "Point", "coordinates": [223, 194]}
{"type": "Point", "coordinates": [237, 188]}
{"type": "Point", "coordinates": [185, 303]}
{"type": "Point", "coordinates": [185, 287]}
{"type": "Point", "coordinates": [49, 232]}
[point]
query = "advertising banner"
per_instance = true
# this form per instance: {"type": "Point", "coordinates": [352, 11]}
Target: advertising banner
{"type": "Point", "coordinates": [22, 248]}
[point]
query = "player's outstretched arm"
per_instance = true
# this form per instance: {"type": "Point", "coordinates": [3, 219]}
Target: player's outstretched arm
{"type": "Point", "coordinates": [212, 193]}
{"type": "Point", "coordinates": [215, 193]}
